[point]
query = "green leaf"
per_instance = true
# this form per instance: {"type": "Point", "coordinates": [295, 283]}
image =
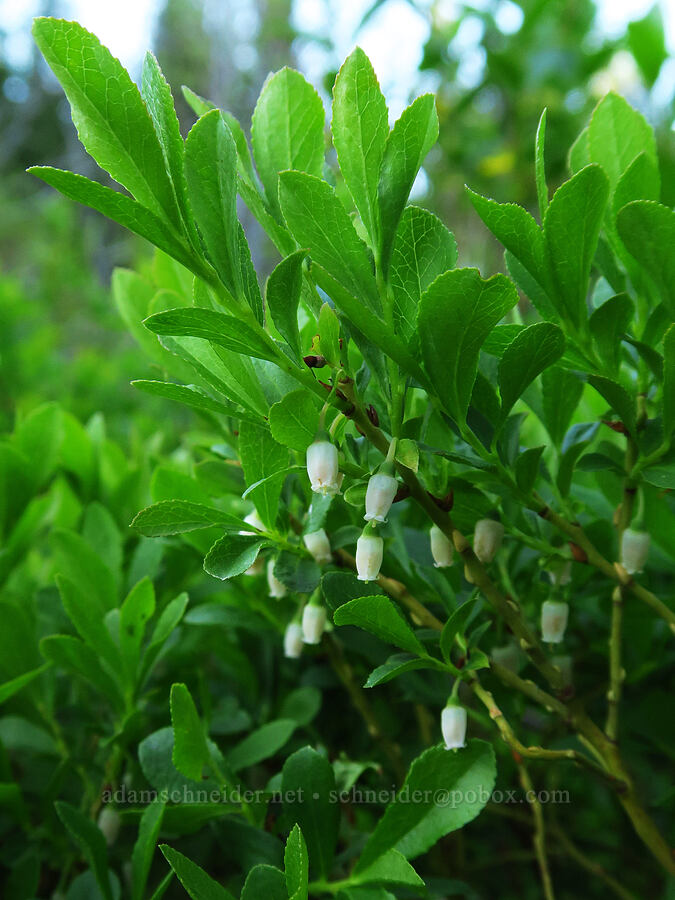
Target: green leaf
{"type": "Point", "coordinates": [231, 555]}
{"type": "Point", "coordinates": [399, 664]}
{"type": "Point", "coordinates": [407, 453]}
{"type": "Point", "coordinates": [296, 865]}
{"type": "Point", "coordinates": [617, 397]}
{"type": "Point", "coordinates": [189, 395]}
{"type": "Point", "coordinates": [341, 587]}
{"type": "Point", "coordinates": [90, 841]}
{"type": "Point", "coordinates": [561, 392]}
{"type": "Point", "coordinates": [571, 230]}
{"type": "Point", "coordinates": [329, 335]}
{"type": "Point", "coordinates": [380, 617]}
{"type": "Point", "coordinates": [144, 848]}
{"type": "Point", "coordinates": [14, 685]}
{"type": "Point", "coordinates": [157, 97]}
{"type": "Point", "coordinates": [455, 786]}
{"type": "Point", "coordinates": [455, 625]}
{"type": "Point", "coordinates": [647, 43]}
{"type": "Point", "coordinates": [210, 168]}
{"type": "Point", "coordinates": [209, 325]}
{"type": "Point", "coordinates": [190, 753]}
{"type": "Point", "coordinates": [540, 166]}
{"type": "Point", "coordinates": [111, 119]}
{"type": "Point", "coordinates": [262, 458]}
{"type": "Point", "coordinates": [302, 705]}
{"type": "Point", "coordinates": [515, 228]}
{"type": "Point", "coordinates": [309, 793]}
{"type": "Point", "coordinates": [138, 607]}
{"type": "Point", "coordinates": [87, 616]}
{"type": "Point", "coordinates": [261, 744]}
{"type": "Point", "coordinates": [527, 468]}
{"type": "Point", "coordinates": [120, 208]}
{"type": "Point", "coordinates": [669, 382]}
{"type": "Point", "coordinates": [648, 231]}
{"type": "Point", "coordinates": [423, 250]}
{"type": "Point", "coordinates": [532, 350]}
{"type": "Point", "coordinates": [580, 154]}
{"type": "Point", "coordinates": [264, 881]}
{"type": "Point", "coordinates": [282, 293]}
{"type": "Point", "coordinates": [299, 573]}
{"type": "Point", "coordinates": [608, 323]}
{"type": "Point", "coordinates": [360, 128]}
{"type": "Point", "coordinates": [318, 220]}
{"type": "Point", "coordinates": [456, 314]}
{"type": "Point", "coordinates": [294, 420]}
{"type": "Point", "coordinates": [179, 516]}
{"type": "Point", "coordinates": [640, 181]}
{"type": "Point", "coordinates": [78, 658]}
{"type": "Point", "coordinates": [196, 882]}
{"type": "Point", "coordinates": [391, 868]}
{"type": "Point", "coordinates": [287, 130]}
{"type": "Point", "coordinates": [662, 475]}
{"type": "Point", "coordinates": [409, 141]}
{"type": "Point", "coordinates": [165, 625]}
{"type": "Point", "coordinates": [77, 561]}
{"type": "Point", "coordinates": [617, 133]}
{"type": "Point", "coordinates": [531, 287]}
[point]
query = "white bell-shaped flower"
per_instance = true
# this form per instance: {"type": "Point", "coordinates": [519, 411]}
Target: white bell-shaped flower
{"type": "Point", "coordinates": [293, 640]}
{"type": "Point", "coordinates": [319, 546]}
{"type": "Point", "coordinates": [322, 467]}
{"type": "Point", "coordinates": [559, 571]}
{"type": "Point", "coordinates": [453, 726]}
{"type": "Point", "coordinates": [380, 495]}
{"type": "Point", "coordinates": [109, 824]}
{"type": "Point", "coordinates": [441, 548]}
{"type": "Point", "coordinates": [554, 614]}
{"type": "Point", "coordinates": [369, 553]}
{"type": "Point", "coordinates": [634, 550]}
{"type": "Point", "coordinates": [487, 539]}
{"type": "Point", "coordinates": [276, 588]}
{"type": "Point", "coordinates": [313, 623]}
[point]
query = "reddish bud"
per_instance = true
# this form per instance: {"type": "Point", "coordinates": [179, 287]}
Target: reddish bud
{"type": "Point", "coordinates": [444, 503]}
{"type": "Point", "coordinates": [578, 553]}
{"type": "Point", "coordinates": [314, 362]}
{"type": "Point", "coordinates": [371, 412]}
{"type": "Point", "coordinates": [615, 426]}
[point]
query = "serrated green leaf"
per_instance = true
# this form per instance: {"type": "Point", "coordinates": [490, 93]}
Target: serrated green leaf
{"type": "Point", "coordinates": [561, 392]}
{"type": "Point", "coordinates": [180, 516]}
{"type": "Point", "coordinates": [608, 323]}
{"type": "Point", "coordinates": [318, 220]}
{"type": "Point", "coordinates": [617, 397]}
{"type": "Point", "coordinates": [287, 131]}
{"type": "Point", "coordinates": [532, 350]}
{"type": "Point", "coordinates": [648, 231]}
{"type": "Point", "coordinates": [580, 154]}
{"type": "Point", "coordinates": [196, 882]}
{"type": "Point", "coordinates": [360, 128]}
{"type": "Point", "coordinates": [540, 166]}
{"type": "Point", "coordinates": [90, 841]}
{"type": "Point", "coordinates": [411, 138]}
{"type": "Point", "coordinates": [298, 573]}
{"type": "Point", "coordinates": [111, 119]}
{"type": "Point", "coordinates": [412, 828]}
{"type": "Point", "coordinates": [391, 868]}
{"type": "Point", "coordinates": [296, 865]}
{"type": "Point", "coordinates": [144, 848]}
{"type": "Point", "coordinates": [87, 615]}
{"type": "Point", "coordinates": [399, 664]}
{"type": "Point", "coordinates": [261, 744]}
{"type": "Point", "coordinates": [78, 658]}
{"type": "Point", "coordinates": [329, 335]}
{"type": "Point", "coordinates": [191, 396]}
{"type": "Point", "coordinates": [647, 43]}
{"type": "Point", "coordinates": [231, 555]}
{"type": "Point", "coordinates": [617, 133]}
{"type": "Point", "coordinates": [263, 458]}
{"type": "Point", "coordinates": [308, 789]}
{"type": "Point", "coordinates": [527, 468]}
{"type": "Point", "coordinates": [136, 610]}
{"type": "Point", "coordinates": [264, 881]}
{"type": "Point", "coordinates": [669, 382]}
{"type": "Point", "coordinates": [640, 181]}
{"type": "Point", "coordinates": [190, 753]}
{"type": "Point", "coordinates": [226, 331]}
{"type": "Point", "coordinates": [284, 287]}
{"type": "Point", "coordinates": [457, 312]}
{"type": "Point", "coordinates": [380, 617]}
{"type": "Point", "coordinates": [571, 230]}
{"type": "Point", "coordinates": [423, 249]}
{"type": "Point", "coordinates": [294, 420]}
{"type": "Point", "coordinates": [455, 625]}
{"type": "Point", "coordinates": [407, 453]}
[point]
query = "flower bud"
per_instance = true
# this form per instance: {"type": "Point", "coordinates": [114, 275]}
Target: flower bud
{"type": "Point", "coordinates": [559, 571]}
{"type": "Point", "coordinates": [276, 588]}
{"type": "Point", "coordinates": [109, 824]}
{"type": "Point", "coordinates": [379, 496]}
{"type": "Point", "coordinates": [322, 467]}
{"type": "Point", "coordinates": [634, 550]}
{"type": "Point", "coordinates": [453, 726]}
{"type": "Point", "coordinates": [313, 623]}
{"type": "Point", "coordinates": [487, 539]}
{"type": "Point", "coordinates": [293, 640]}
{"type": "Point", "coordinates": [318, 545]}
{"type": "Point", "coordinates": [369, 552]}
{"type": "Point", "coordinates": [441, 548]}
{"type": "Point", "coordinates": [554, 615]}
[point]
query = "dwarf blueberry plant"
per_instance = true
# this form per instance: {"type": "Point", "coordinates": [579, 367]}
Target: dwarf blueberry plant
{"type": "Point", "coordinates": [374, 379]}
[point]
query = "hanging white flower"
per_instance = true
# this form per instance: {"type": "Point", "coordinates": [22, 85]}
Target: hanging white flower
{"type": "Point", "coordinates": [369, 553]}
{"type": "Point", "coordinates": [487, 539]}
{"type": "Point", "coordinates": [322, 467]}
{"type": "Point", "coordinates": [109, 824]}
{"type": "Point", "coordinates": [634, 550]}
{"type": "Point", "coordinates": [276, 588]}
{"type": "Point", "coordinates": [554, 615]}
{"type": "Point", "coordinates": [313, 623]}
{"type": "Point", "coordinates": [318, 545]}
{"type": "Point", "coordinates": [380, 493]}
{"type": "Point", "coordinates": [453, 726]}
{"type": "Point", "coordinates": [293, 640]}
{"type": "Point", "coordinates": [441, 548]}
